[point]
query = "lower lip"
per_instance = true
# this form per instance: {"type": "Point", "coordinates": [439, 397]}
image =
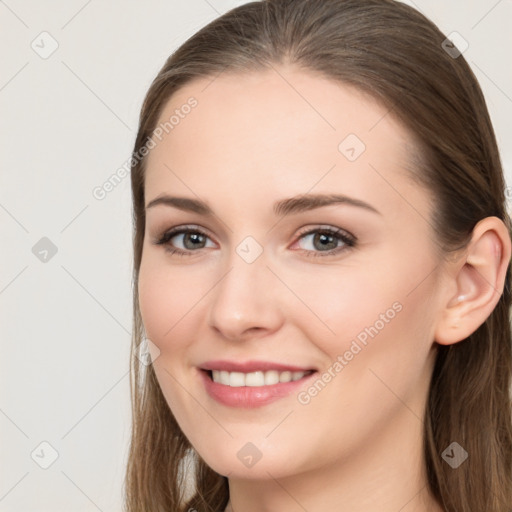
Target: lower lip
{"type": "Point", "coordinates": [251, 396]}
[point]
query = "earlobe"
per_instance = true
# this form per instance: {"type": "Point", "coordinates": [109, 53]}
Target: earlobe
{"type": "Point", "coordinates": [478, 278]}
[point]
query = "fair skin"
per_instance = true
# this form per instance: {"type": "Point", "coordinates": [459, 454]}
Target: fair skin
{"type": "Point", "coordinates": [255, 139]}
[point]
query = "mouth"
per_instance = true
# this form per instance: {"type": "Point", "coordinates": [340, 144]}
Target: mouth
{"type": "Point", "coordinates": [253, 389]}
{"type": "Point", "coordinates": [257, 378]}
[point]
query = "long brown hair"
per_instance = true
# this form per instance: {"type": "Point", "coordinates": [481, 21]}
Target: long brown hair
{"type": "Point", "coordinates": [391, 51]}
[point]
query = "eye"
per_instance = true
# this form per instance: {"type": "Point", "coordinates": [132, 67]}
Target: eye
{"type": "Point", "coordinates": [327, 239]}
{"type": "Point", "coordinates": [191, 238]}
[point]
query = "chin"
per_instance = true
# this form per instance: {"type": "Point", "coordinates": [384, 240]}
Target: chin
{"type": "Point", "coordinates": [243, 460]}
{"type": "Point", "coordinates": [259, 471]}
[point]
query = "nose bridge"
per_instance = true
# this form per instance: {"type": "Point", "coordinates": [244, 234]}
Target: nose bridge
{"type": "Point", "coordinates": [244, 298]}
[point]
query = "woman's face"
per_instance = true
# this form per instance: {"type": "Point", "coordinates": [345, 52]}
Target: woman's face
{"type": "Point", "coordinates": [349, 289]}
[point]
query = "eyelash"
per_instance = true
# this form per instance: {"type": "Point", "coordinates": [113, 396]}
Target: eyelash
{"type": "Point", "coordinates": [348, 239]}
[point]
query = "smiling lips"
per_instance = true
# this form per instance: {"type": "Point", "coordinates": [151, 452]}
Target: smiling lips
{"type": "Point", "coordinates": [252, 383]}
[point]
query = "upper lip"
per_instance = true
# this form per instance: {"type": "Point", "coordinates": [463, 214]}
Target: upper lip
{"type": "Point", "coordinates": [251, 366]}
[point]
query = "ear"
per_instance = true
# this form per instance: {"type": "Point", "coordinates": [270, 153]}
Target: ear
{"type": "Point", "coordinates": [476, 282]}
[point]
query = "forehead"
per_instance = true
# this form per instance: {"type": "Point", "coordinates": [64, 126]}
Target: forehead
{"type": "Point", "coordinates": [275, 130]}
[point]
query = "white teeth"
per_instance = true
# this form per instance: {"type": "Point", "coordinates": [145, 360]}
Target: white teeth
{"type": "Point", "coordinates": [271, 377]}
{"type": "Point", "coordinates": [286, 376]}
{"type": "Point", "coordinates": [236, 379]}
{"type": "Point", "coordinates": [258, 378]}
{"type": "Point", "coordinates": [255, 379]}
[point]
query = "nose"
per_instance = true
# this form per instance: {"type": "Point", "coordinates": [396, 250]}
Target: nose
{"type": "Point", "coordinates": [246, 300]}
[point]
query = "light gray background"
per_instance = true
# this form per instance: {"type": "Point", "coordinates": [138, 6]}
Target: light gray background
{"type": "Point", "coordinates": [68, 123]}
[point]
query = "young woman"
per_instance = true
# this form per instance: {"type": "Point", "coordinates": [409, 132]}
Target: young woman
{"type": "Point", "coordinates": [321, 271]}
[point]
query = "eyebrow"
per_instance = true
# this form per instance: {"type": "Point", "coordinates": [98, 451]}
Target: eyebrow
{"type": "Point", "coordinates": [284, 207]}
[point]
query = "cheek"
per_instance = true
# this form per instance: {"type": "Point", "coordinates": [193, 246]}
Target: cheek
{"type": "Point", "coordinates": [154, 304]}
{"type": "Point", "coordinates": [380, 350]}
{"type": "Point", "coordinates": [387, 306]}
{"type": "Point", "coordinates": [167, 298]}
{"type": "Point", "coordinates": [337, 303]}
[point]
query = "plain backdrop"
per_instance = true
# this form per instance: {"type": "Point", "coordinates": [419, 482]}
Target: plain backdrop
{"type": "Point", "coordinates": [68, 122]}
